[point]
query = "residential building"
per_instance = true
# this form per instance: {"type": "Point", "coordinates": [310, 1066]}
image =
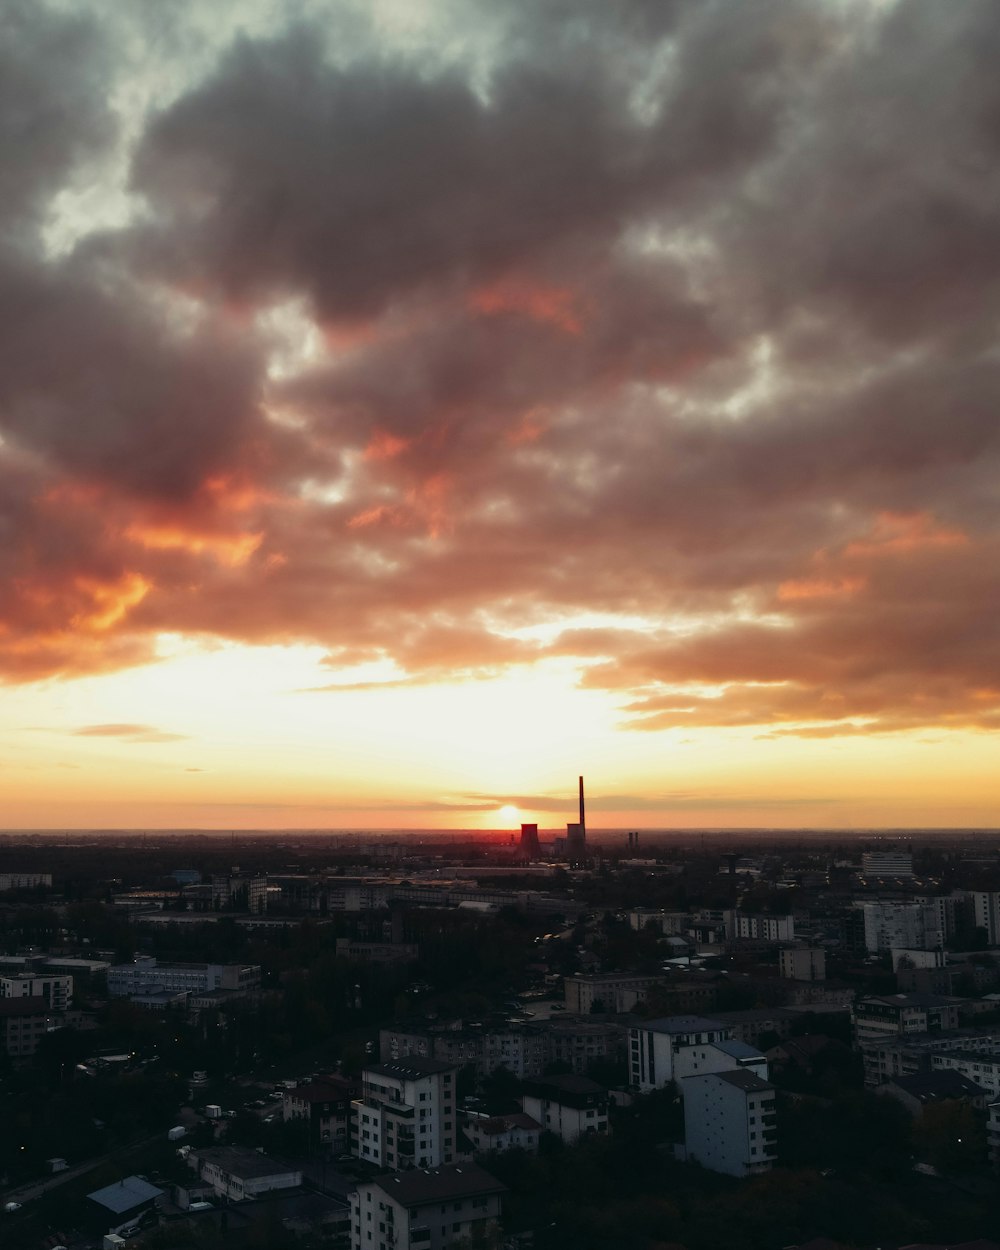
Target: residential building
{"type": "Point", "coordinates": [425, 1210]}
{"type": "Point", "coordinates": [729, 1122]}
{"type": "Point", "coordinates": [902, 925]}
{"type": "Point", "coordinates": [744, 926]}
{"type": "Point", "coordinates": [883, 1015]}
{"type": "Point", "coordinates": [979, 1068]}
{"type": "Point", "coordinates": [993, 1132]}
{"type": "Point", "coordinates": [661, 1051]}
{"type": "Point", "coordinates": [23, 1022]}
{"type": "Point", "coordinates": [406, 1116]}
{"type": "Point", "coordinates": [614, 992]}
{"type": "Point", "coordinates": [54, 990]}
{"type": "Point", "coordinates": [326, 1105]}
{"type": "Point", "coordinates": [491, 1134]}
{"type": "Point", "coordinates": [928, 1089]}
{"type": "Point", "coordinates": [986, 914]}
{"type": "Point", "coordinates": [237, 1173]}
{"type": "Point", "coordinates": [904, 1055]}
{"type": "Point", "coordinates": [580, 1043]}
{"type": "Point", "coordinates": [572, 1107]}
{"type": "Point", "coordinates": [802, 963]}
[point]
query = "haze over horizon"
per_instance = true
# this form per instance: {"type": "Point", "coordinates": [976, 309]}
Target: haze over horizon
{"type": "Point", "coordinates": [405, 407]}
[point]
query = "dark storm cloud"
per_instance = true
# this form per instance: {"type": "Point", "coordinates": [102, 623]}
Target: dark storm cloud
{"type": "Point", "coordinates": [682, 314]}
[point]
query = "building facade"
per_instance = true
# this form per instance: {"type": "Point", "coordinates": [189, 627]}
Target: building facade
{"type": "Point", "coordinates": [425, 1210]}
{"type": "Point", "coordinates": [406, 1115]}
{"type": "Point", "coordinates": [730, 1122]}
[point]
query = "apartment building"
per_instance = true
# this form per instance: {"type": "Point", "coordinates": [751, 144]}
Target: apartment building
{"type": "Point", "coordinates": [23, 1022]}
{"type": "Point", "coordinates": [905, 1055]}
{"type": "Point", "coordinates": [729, 1122]}
{"type": "Point", "coordinates": [661, 1051]}
{"type": "Point", "coordinates": [326, 1105]}
{"type": "Point", "coordinates": [802, 963]}
{"type": "Point", "coordinates": [917, 926]}
{"type": "Point", "coordinates": [744, 926]}
{"type": "Point", "coordinates": [406, 1115]}
{"type": "Point", "coordinates": [54, 990]}
{"type": "Point", "coordinates": [572, 1107]}
{"type": "Point", "coordinates": [23, 880]}
{"type": "Point", "coordinates": [425, 1210]}
{"type": "Point", "coordinates": [885, 1015]}
{"type": "Point", "coordinates": [614, 993]}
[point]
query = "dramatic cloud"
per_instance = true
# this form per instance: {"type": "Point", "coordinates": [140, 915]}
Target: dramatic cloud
{"type": "Point", "coordinates": [654, 338]}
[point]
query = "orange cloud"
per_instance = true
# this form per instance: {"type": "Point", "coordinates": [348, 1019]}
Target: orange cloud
{"type": "Point", "coordinates": [557, 306]}
{"type": "Point", "coordinates": [385, 446]}
{"type": "Point", "coordinates": [109, 602]}
{"type": "Point", "coordinates": [231, 551]}
{"type": "Point", "coordinates": [820, 588]}
{"type": "Point", "coordinates": [896, 532]}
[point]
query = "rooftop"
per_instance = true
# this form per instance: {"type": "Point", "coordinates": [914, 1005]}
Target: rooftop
{"type": "Point", "coordinates": [410, 1069]}
{"type": "Point", "coordinates": [683, 1024]}
{"type": "Point", "coordinates": [125, 1194]}
{"type": "Point", "coordinates": [426, 1185]}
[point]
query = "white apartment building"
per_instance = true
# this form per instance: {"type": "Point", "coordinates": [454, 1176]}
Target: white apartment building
{"type": "Point", "coordinates": [406, 1116]}
{"type": "Point", "coordinates": [729, 1122]}
{"type": "Point", "coordinates": [572, 1107]}
{"type": "Point", "coordinates": [491, 1134]}
{"type": "Point", "coordinates": [751, 926]}
{"type": "Point", "coordinates": [668, 923]}
{"type": "Point", "coordinates": [145, 976]}
{"type": "Point", "coordinates": [424, 1210]}
{"type": "Point", "coordinates": [55, 991]}
{"type": "Point", "coordinates": [661, 1051]}
{"type": "Point", "coordinates": [917, 926]}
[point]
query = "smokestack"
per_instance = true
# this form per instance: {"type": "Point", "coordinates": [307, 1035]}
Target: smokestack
{"type": "Point", "coordinates": [583, 823]}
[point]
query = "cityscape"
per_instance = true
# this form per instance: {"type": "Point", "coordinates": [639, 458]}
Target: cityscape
{"type": "Point", "coordinates": [524, 1039]}
{"type": "Point", "coordinates": [499, 632]}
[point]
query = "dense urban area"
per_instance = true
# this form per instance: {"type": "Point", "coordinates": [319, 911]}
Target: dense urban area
{"type": "Point", "coordinates": [383, 1043]}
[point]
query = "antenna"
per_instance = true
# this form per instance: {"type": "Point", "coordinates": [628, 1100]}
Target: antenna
{"type": "Point", "coordinates": [583, 823]}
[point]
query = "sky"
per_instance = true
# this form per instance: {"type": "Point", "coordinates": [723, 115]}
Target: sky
{"type": "Point", "coordinates": [406, 407]}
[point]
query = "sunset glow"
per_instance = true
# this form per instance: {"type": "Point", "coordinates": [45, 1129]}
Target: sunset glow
{"type": "Point", "coordinates": [403, 412]}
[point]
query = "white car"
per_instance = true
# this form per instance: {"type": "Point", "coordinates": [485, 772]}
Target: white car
{"type": "Point", "coordinates": [11, 1207]}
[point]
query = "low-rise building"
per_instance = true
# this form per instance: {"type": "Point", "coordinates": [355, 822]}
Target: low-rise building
{"type": "Point", "coordinates": [572, 1107]}
{"type": "Point", "coordinates": [425, 1209]}
{"type": "Point", "coordinates": [802, 963]}
{"type": "Point", "coordinates": [730, 1122]}
{"type": "Point", "coordinates": [119, 1205]}
{"type": "Point", "coordinates": [326, 1105]}
{"type": "Point", "coordinates": [237, 1173]}
{"type": "Point", "coordinates": [614, 992]}
{"type": "Point", "coordinates": [886, 1015]}
{"type": "Point", "coordinates": [494, 1133]}
{"type": "Point", "coordinates": [145, 975]}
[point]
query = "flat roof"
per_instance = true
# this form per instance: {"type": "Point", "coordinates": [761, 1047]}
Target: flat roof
{"type": "Point", "coordinates": [242, 1162]}
{"type": "Point", "coordinates": [426, 1185]}
{"type": "Point", "coordinates": [682, 1024]}
{"type": "Point", "coordinates": [125, 1194]}
{"type": "Point", "coordinates": [410, 1069]}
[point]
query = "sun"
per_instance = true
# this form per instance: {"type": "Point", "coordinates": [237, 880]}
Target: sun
{"type": "Point", "coordinates": [509, 812]}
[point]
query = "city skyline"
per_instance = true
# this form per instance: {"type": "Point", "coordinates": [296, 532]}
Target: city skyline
{"type": "Point", "coordinates": [405, 408]}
